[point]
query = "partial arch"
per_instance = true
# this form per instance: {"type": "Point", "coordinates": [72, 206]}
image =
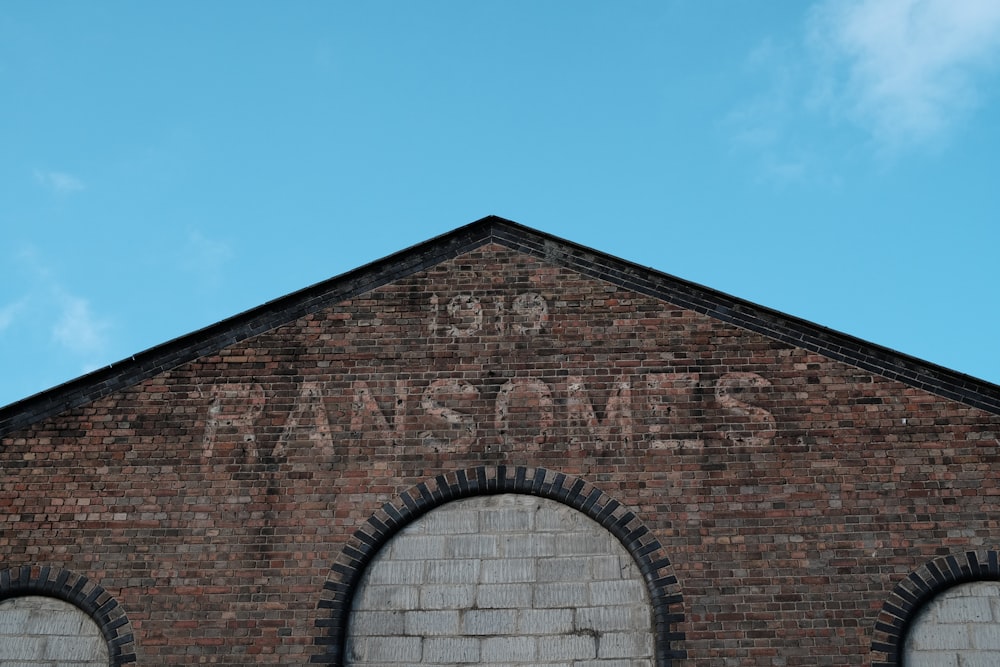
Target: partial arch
{"type": "Point", "coordinates": [915, 591]}
{"type": "Point", "coordinates": [80, 592]}
{"type": "Point", "coordinates": [346, 573]}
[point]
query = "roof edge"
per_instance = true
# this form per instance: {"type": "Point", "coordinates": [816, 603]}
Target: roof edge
{"type": "Point", "coordinates": [650, 282]}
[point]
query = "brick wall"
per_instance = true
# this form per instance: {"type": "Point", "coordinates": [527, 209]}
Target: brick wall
{"type": "Point", "coordinates": [791, 491]}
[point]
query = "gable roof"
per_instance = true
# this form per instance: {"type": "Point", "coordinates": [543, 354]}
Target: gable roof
{"type": "Point", "coordinates": [559, 252]}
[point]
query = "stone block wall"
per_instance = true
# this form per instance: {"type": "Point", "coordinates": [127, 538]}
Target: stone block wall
{"type": "Point", "coordinates": [958, 628]}
{"type": "Point", "coordinates": [502, 580]}
{"type": "Point", "coordinates": [38, 631]}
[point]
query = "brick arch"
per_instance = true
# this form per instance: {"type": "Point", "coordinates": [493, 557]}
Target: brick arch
{"type": "Point", "coordinates": [346, 572]}
{"type": "Point", "coordinates": [82, 593]}
{"type": "Point", "coordinates": [914, 592]}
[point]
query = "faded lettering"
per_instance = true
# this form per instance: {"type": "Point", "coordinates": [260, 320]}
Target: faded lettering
{"type": "Point", "coordinates": [366, 415]}
{"type": "Point", "coordinates": [617, 412]}
{"type": "Point", "coordinates": [530, 313]}
{"type": "Point", "coordinates": [451, 428]}
{"type": "Point", "coordinates": [675, 411]}
{"type": "Point", "coordinates": [524, 407]}
{"type": "Point", "coordinates": [670, 397]}
{"type": "Point", "coordinates": [464, 315]}
{"type": "Point", "coordinates": [753, 425]}
{"type": "Point", "coordinates": [309, 422]}
{"type": "Point", "coordinates": [467, 311]}
{"type": "Point", "coordinates": [232, 415]}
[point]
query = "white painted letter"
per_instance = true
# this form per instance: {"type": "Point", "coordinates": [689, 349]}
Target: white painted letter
{"type": "Point", "coordinates": [528, 405]}
{"type": "Point", "coordinates": [460, 428]}
{"type": "Point", "coordinates": [365, 412]}
{"type": "Point", "coordinates": [308, 422]}
{"type": "Point", "coordinates": [753, 425]}
{"type": "Point", "coordinates": [618, 413]}
{"type": "Point", "coordinates": [670, 398]}
{"type": "Point", "coordinates": [232, 415]}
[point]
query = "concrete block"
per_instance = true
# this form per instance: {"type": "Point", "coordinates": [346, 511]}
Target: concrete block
{"type": "Point", "coordinates": [545, 621]}
{"type": "Point", "coordinates": [583, 544]}
{"type": "Point", "coordinates": [447, 596]}
{"type": "Point", "coordinates": [564, 569]}
{"type": "Point", "coordinates": [934, 659]}
{"type": "Point", "coordinates": [490, 621]}
{"type": "Point", "coordinates": [377, 623]}
{"type": "Point", "coordinates": [471, 546]}
{"type": "Point", "coordinates": [618, 617]}
{"type": "Point", "coordinates": [567, 647]}
{"type": "Point", "coordinates": [937, 637]}
{"type": "Point", "coordinates": [506, 520]}
{"type": "Point", "coordinates": [387, 649]}
{"type": "Point", "coordinates": [453, 571]}
{"type": "Point", "coordinates": [561, 518]}
{"type": "Point", "coordinates": [431, 623]}
{"type": "Point", "coordinates": [625, 644]}
{"type": "Point", "coordinates": [504, 596]}
{"type": "Point", "coordinates": [986, 636]}
{"type": "Point", "coordinates": [624, 591]}
{"type": "Point", "coordinates": [965, 609]}
{"type": "Point", "coordinates": [614, 567]}
{"type": "Point", "coordinates": [451, 521]}
{"type": "Point", "coordinates": [73, 649]}
{"type": "Point", "coordinates": [507, 571]}
{"type": "Point", "coordinates": [397, 572]}
{"type": "Point", "coordinates": [562, 595]}
{"type": "Point", "coordinates": [517, 545]}
{"type": "Point", "coordinates": [508, 650]}
{"type": "Point", "coordinates": [13, 621]}
{"type": "Point", "coordinates": [389, 598]}
{"type": "Point", "coordinates": [20, 648]}
{"type": "Point", "coordinates": [978, 659]}
{"type": "Point", "coordinates": [66, 621]}
{"type": "Point", "coordinates": [419, 547]}
{"type": "Point", "coordinates": [451, 650]}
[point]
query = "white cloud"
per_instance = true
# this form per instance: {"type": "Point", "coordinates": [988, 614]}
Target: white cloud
{"type": "Point", "coordinates": [77, 328]}
{"type": "Point", "coordinates": [907, 71]}
{"type": "Point", "coordinates": [773, 125]}
{"type": "Point", "coordinates": [204, 250]}
{"type": "Point", "coordinates": [205, 257]}
{"type": "Point", "coordinates": [9, 312]}
{"type": "Point", "coordinates": [60, 182]}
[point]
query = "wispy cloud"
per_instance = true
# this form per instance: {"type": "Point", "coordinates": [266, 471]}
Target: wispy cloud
{"type": "Point", "coordinates": [774, 124]}
{"type": "Point", "coordinates": [72, 324]}
{"type": "Point", "coordinates": [888, 76]}
{"type": "Point", "coordinates": [77, 328]}
{"type": "Point", "coordinates": [59, 182]}
{"type": "Point", "coordinates": [205, 257]}
{"type": "Point", "coordinates": [9, 312]}
{"type": "Point", "coordinates": [907, 71]}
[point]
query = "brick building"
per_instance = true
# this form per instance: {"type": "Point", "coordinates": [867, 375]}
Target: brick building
{"type": "Point", "coordinates": [498, 447]}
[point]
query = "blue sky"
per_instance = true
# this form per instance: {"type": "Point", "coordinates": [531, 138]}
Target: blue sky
{"type": "Point", "coordinates": [166, 165]}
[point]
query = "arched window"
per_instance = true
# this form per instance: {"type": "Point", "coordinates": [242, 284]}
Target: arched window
{"type": "Point", "coordinates": [946, 612]}
{"type": "Point", "coordinates": [56, 617]}
{"type": "Point", "coordinates": [38, 630]}
{"type": "Point", "coordinates": [959, 626]}
{"type": "Point", "coordinates": [511, 565]}
{"type": "Point", "coordinates": [508, 579]}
